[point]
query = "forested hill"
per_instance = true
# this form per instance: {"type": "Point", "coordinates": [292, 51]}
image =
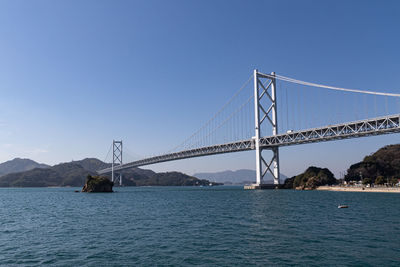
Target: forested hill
{"type": "Point", "coordinates": [19, 165]}
{"type": "Point", "coordinates": [383, 164]}
{"type": "Point", "coordinates": [74, 174]}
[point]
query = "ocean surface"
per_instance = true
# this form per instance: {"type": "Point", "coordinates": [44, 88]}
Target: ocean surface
{"type": "Point", "coordinates": [202, 226]}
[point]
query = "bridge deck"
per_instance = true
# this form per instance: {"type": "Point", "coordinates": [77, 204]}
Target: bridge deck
{"type": "Point", "coordinates": [375, 126]}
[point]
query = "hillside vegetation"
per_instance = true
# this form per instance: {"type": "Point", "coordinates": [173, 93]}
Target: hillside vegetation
{"type": "Point", "coordinates": [64, 174]}
{"type": "Point", "coordinates": [19, 165]}
{"type": "Point", "coordinates": [311, 179]}
{"type": "Point", "coordinates": [74, 174]}
{"type": "Point", "coordinates": [380, 167]}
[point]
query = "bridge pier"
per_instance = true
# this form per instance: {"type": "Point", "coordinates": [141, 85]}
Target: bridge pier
{"type": "Point", "coordinates": [261, 186]}
{"type": "Point", "coordinates": [265, 112]}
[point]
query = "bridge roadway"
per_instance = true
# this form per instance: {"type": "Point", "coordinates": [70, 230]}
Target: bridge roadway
{"type": "Point", "coordinates": [368, 127]}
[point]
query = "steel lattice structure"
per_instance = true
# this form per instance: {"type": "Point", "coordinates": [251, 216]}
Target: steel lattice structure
{"type": "Point", "coordinates": [117, 161]}
{"type": "Point", "coordinates": [361, 128]}
{"type": "Point", "coordinates": [265, 112]}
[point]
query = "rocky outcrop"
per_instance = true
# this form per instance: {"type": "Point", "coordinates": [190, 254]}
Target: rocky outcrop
{"type": "Point", "coordinates": [310, 179]}
{"type": "Point", "coordinates": [95, 184]}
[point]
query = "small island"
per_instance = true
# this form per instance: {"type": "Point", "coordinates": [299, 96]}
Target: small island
{"type": "Point", "coordinates": [311, 179]}
{"type": "Point", "coordinates": [97, 184]}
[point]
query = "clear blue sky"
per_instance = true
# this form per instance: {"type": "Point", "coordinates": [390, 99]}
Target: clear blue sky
{"type": "Point", "coordinates": [74, 75]}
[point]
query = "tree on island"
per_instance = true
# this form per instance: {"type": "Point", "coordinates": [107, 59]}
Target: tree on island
{"type": "Point", "coordinates": [380, 180]}
{"type": "Point", "coordinates": [393, 181]}
{"type": "Point", "coordinates": [366, 181]}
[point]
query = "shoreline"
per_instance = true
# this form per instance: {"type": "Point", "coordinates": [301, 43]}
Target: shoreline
{"type": "Point", "coordinates": [360, 189]}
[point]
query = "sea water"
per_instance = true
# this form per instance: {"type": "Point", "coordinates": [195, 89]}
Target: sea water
{"type": "Point", "coordinates": [205, 226]}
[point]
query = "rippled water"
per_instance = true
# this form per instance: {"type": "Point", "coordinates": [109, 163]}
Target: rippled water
{"type": "Point", "coordinates": [198, 226]}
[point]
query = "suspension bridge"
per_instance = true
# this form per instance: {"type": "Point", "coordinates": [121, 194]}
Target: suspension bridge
{"type": "Point", "coordinates": [249, 121]}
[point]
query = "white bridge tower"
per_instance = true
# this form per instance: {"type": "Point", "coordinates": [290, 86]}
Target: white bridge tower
{"type": "Point", "coordinates": [117, 160]}
{"type": "Point", "coordinates": [265, 113]}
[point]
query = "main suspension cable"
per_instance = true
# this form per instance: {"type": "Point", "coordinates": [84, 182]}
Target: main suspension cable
{"type": "Point", "coordinates": [288, 79]}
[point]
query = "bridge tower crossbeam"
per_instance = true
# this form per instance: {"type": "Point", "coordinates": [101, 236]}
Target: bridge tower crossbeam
{"type": "Point", "coordinates": [265, 104]}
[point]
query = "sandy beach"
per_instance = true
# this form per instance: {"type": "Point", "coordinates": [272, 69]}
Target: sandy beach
{"type": "Point", "coordinates": [360, 189]}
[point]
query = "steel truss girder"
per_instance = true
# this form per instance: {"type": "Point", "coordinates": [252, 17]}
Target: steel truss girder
{"type": "Point", "coordinates": [362, 128]}
{"type": "Point", "coordinates": [375, 126]}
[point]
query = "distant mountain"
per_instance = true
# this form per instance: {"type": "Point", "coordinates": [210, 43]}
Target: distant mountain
{"type": "Point", "coordinates": [64, 174]}
{"type": "Point", "coordinates": [74, 174]}
{"type": "Point", "coordinates": [235, 177]}
{"type": "Point", "coordinates": [19, 165]}
{"type": "Point", "coordinates": [92, 164]}
{"type": "Point", "coordinates": [139, 177]}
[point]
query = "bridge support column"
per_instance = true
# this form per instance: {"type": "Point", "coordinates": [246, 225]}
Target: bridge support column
{"type": "Point", "coordinates": [117, 160]}
{"type": "Point", "coordinates": [265, 114]}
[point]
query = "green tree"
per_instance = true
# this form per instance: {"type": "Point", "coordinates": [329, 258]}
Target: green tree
{"type": "Point", "coordinates": [393, 181]}
{"type": "Point", "coordinates": [366, 181]}
{"type": "Point", "coordinates": [380, 180]}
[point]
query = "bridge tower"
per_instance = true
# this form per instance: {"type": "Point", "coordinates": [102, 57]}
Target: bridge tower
{"type": "Point", "coordinates": [265, 104]}
{"type": "Point", "coordinates": [117, 160]}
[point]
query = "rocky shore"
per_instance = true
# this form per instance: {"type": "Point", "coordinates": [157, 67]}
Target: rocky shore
{"type": "Point", "coordinates": [96, 184]}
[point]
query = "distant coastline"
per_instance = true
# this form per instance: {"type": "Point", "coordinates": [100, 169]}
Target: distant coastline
{"type": "Point", "coordinates": [359, 189]}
